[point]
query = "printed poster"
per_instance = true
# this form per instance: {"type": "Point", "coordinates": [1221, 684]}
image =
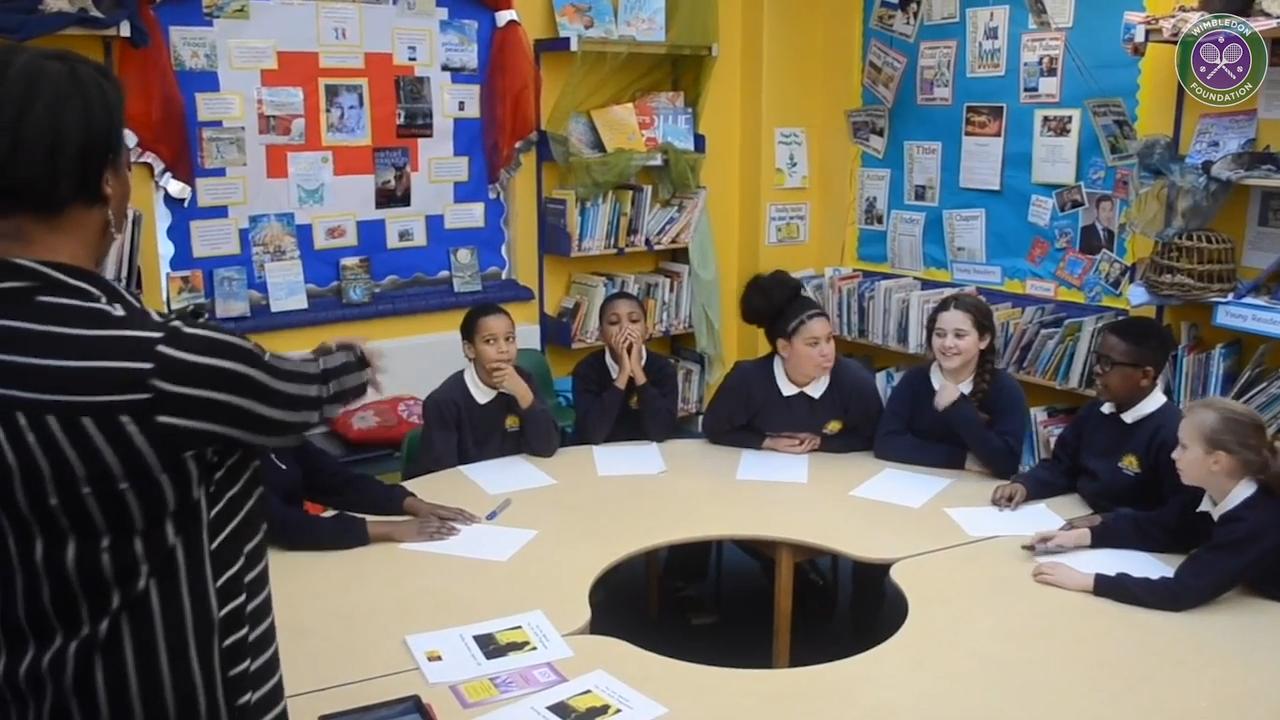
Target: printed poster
{"type": "Point", "coordinates": [884, 71]}
{"type": "Point", "coordinates": [965, 232]}
{"type": "Point", "coordinates": [1051, 14]}
{"type": "Point", "coordinates": [281, 115]}
{"type": "Point", "coordinates": [1041, 56]}
{"type": "Point", "coordinates": [936, 73]}
{"type": "Point", "coordinates": [286, 286]}
{"type": "Point", "coordinates": [310, 175]}
{"type": "Point", "coordinates": [940, 12]}
{"type": "Point", "coordinates": [922, 172]}
{"type": "Point", "coordinates": [900, 18]}
{"type": "Point", "coordinates": [459, 46]}
{"type": "Point", "coordinates": [1118, 137]}
{"type": "Point", "coordinates": [1040, 210]}
{"type": "Point", "coordinates": [982, 150]}
{"type": "Point", "coordinates": [869, 129]}
{"type": "Point", "coordinates": [787, 224]}
{"type": "Point", "coordinates": [790, 158]}
{"type": "Point", "coordinates": [906, 240]}
{"type": "Point", "coordinates": [273, 238]}
{"type": "Point", "coordinates": [873, 198]}
{"type": "Point", "coordinates": [222, 147]}
{"type": "Point", "coordinates": [988, 36]}
{"type": "Point", "coordinates": [193, 49]}
{"type": "Point", "coordinates": [1221, 134]}
{"type": "Point", "coordinates": [1056, 147]}
{"type": "Point", "coordinates": [1262, 233]}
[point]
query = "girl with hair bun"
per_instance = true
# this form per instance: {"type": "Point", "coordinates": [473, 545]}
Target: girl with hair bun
{"type": "Point", "coordinates": [800, 397]}
{"type": "Point", "coordinates": [1232, 529]}
{"type": "Point", "coordinates": [960, 411]}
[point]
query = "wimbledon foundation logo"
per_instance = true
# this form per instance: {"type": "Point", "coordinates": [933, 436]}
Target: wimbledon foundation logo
{"type": "Point", "coordinates": [1221, 60]}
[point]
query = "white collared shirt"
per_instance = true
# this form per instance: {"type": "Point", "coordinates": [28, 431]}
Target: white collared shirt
{"type": "Point", "coordinates": [613, 366]}
{"type": "Point", "coordinates": [788, 388]}
{"type": "Point", "coordinates": [935, 377]}
{"type": "Point", "coordinates": [1149, 404]}
{"type": "Point", "coordinates": [481, 392]}
{"type": "Point", "coordinates": [1241, 492]}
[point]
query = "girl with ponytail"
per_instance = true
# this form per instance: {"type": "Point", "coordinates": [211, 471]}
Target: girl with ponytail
{"type": "Point", "coordinates": [1231, 529]}
{"type": "Point", "coordinates": [800, 397]}
{"type": "Point", "coordinates": [960, 411]}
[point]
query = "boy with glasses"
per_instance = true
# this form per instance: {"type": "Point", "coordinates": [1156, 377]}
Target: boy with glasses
{"type": "Point", "coordinates": [1116, 451]}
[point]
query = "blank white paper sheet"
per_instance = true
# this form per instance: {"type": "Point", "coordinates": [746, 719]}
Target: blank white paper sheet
{"type": "Point", "coordinates": [901, 487]}
{"type": "Point", "coordinates": [1106, 561]}
{"type": "Point", "coordinates": [480, 541]}
{"type": "Point", "coordinates": [507, 474]}
{"type": "Point", "coordinates": [769, 466]}
{"type": "Point", "coordinates": [994, 522]}
{"type": "Point", "coordinates": [617, 460]}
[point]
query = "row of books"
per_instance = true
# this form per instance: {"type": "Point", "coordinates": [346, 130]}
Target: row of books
{"type": "Point", "coordinates": [1197, 370]}
{"type": "Point", "coordinates": [654, 119]}
{"type": "Point", "coordinates": [1258, 386]}
{"type": "Point", "coordinates": [625, 217]}
{"type": "Point", "coordinates": [666, 293]}
{"type": "Point", "coordinates": [643, 20]}
{"type": "Point", "coordinates": [691, 380]}
{"type": "Point", "coordinates": [1047, 423]}
{"type": "Point", "coordinates": [1040, 340]}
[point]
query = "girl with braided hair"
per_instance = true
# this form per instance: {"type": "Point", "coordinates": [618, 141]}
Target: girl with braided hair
{"type": "Point", "coordinates": [960, 411]}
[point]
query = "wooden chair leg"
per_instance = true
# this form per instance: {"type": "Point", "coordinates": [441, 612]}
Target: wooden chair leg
{"type": "Point", "coordinates": [784, 574]}
{"type": "Point", "coordinates": [653, 569]}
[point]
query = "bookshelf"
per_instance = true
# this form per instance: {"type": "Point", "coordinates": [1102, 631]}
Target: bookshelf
{"type": "Point", "coordinates": [568, 249]}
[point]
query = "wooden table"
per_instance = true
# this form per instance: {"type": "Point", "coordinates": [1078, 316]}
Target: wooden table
{"type": "Point", "coordinates": [342, 616]}
{"type": "Point", "coordinates": [982, 641]}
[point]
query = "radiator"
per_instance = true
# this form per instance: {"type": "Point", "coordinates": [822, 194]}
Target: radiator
{"type": "Point", "coordinates": [416, 365]}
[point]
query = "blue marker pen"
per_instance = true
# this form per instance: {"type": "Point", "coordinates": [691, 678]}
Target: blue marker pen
{"type": "Point", "coordinates": [493, 514]}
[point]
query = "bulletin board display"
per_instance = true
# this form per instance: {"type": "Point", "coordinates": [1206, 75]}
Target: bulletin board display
{"type": "Point", "coordinates": [323, 131]}
{"type": "Point", "coordinates": [989, 217]}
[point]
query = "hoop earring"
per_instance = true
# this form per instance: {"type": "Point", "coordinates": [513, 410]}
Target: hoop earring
{"type": "Point", "coordinates": [116, 235]}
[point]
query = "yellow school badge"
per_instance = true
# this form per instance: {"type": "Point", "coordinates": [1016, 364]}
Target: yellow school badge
{"type": "Point", "coordinates": [1129, 463]}
{"type": "Point", "coordinates": [832, 427]}
{"type": "Point", "coordinates": [512, 422]}
{"type": "Point", "coordinates": [633, 402]}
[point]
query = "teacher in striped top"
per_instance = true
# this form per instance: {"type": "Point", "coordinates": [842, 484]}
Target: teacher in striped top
{"type": "Point", "coordinates": [133, 566]}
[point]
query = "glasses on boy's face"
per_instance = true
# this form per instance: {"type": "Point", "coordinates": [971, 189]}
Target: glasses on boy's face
{"type": "Point", "coordinates": [1106, 363]}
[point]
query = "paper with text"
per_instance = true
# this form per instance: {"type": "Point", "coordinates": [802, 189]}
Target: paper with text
{"type": "Point", "coordinates": [901, 487]}
{"type": "Point", "coordinates": [594, 695]}
{"type": "Point", "coordinates": [615, 460]}
{"type": "Point", "coordinates": [480, 541]}
{"type": "Point", "coordinates": [995, 522]}
{"type": "Point", "coordinates": [769, 466]}
{"type": "Point", "coordinates": [507, 474]}
{"type": "Point", "coordinates": [462, 653]}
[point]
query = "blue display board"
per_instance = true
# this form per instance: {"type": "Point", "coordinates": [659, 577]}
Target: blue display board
{"type": "Point", "coordinates": [346, 58]}
{"type": "Point", "coordinates": [1094, 65]}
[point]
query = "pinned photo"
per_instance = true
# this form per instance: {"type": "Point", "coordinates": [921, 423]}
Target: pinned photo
{"type": "Point", "coordinates": [900, 18]}
{"type": "Point", "coordinates": [222, 147]}
{"type": "Point", "coordinates": [505, 643]}
{"type": "Point", "coordinates": [1069, 199]}
{"type": "Point", "coordinates": [281, 115]}
{"type": "Point", "coordinates": [344, 118]}
{"type": "Point", "coordinates": [1112, 272]}
{"type": "Point", "coordinates": [1099, 220]}
{"type": "Point", "coordinates": [586, 705]}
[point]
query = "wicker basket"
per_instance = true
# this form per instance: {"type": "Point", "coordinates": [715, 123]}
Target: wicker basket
{"type": "Point", "coordinates": [1194, 265]}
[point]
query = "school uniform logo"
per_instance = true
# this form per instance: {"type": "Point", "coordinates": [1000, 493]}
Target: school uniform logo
{"type": "Point", "coordinates": [832, 427]}
{"type": "Point", "coordinates": [633, 401]}
{"type": "Point", "coordinates": [1130, 464]}
{"type": "Point", "coordinates": [512, 422]}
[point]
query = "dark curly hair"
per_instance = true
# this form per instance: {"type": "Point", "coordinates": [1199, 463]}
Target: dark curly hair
{"type": "Point", "coordinates": [984, 322]}
{"type": "Point", "coordinates": [776, 303]}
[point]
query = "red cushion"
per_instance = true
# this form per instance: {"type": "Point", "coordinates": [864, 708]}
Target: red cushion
{"type": "Point", "coordinates": [382, 422]}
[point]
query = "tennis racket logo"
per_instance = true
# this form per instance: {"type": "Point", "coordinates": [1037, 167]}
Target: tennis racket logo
{"type": "Point", "coordinates": [1222, 60]}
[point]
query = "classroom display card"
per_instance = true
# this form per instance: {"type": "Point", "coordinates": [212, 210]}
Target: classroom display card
{"type": "Point", "coordinates": [940, 12]}
{"type": "Point", "coordinates": [787, 224]}
{"type": "Point", "coordinates": [340, 60]}
{"type": "Point", "coordinates": [965, 232]}
{"type": "Point", "coordinates": [644, 20]}
{"type": "Point", "coordinates": [504, 686]}
{"type": "Point", "coordinates": [252, 54]}
{"type": "Point", "coordinates": [223, 147]}
{"type": "Point", "coordinates": [988, 37]}
{"type": "Point", "coordinates": [221, 191]}
{"type": "Point", "coordinates": [459, 46]}
{"type": "Point", "coordinates": [982, 151]}
{"type": "Point", "coordinates": [339, 24]}
{"type": "Point", "coordinates": [329, 232]}
{"type": "Point", "coordinates": [310, 174]}
{"type": "Point", "coordinates": [286, 286]}
{"type": "Point", "coordinates": [936, 73]}
{"type": "Point", "coordinates": [873, 198]}
{"type": "Point", "coordinates": [883, 72]}
{"type": "Point", "coordinates": [790, 158]}
{"type": "Point", "coordinates": [1056, 148]}
{"type": "Point", "coordinates": [1040, 210]}
{"type": "Point", "coordinates": [193, 49]}
{"type": "Point", "coordinates": [231, 292]}
{"type": "Point", "coordinates": [594, 695]}
{"type": "Point", "coordinates": [869, 129]}
{"type": "Point", "coordinates": [460, 101]}
{"type": "Point", "coordinates": [281, 115]}
{"type": "Point", "coordinates": [1116, 133]}
{"type": "Point", "coordinates": [922, 172]}
{"type": "Point", "coordinates": [449, 169]}
{"type": "Point", "coordinates": [1262, 232]}
{"type": "Point", "coordinates": [459, 216]}
{"type": "Point", "coordinates": [900, 18]}
{"type": "Point", "coordinates": [411, 46]}
{"type": "Point", "coordinates": [464, 269]}
{"type": "Point", "coordinates": [406, 231]}
{"type": "Point", "coordinates": [219, 106]}
{"type": "Point", "coordinates": [214, 238]}
{"type": "Point", "coordinates": [508, 643]}
{"type": "Point", "coordinates": [906, 240]}
{"type": "Point", "coordinates": [1041, 61]}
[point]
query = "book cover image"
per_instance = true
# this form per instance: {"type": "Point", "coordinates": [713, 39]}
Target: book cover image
{"type": "Point", "coordinates": [1074, 268]}
{"type": "Point", "coordinates": [459, 46]}
{"type": "Point", "coordinates": [231, 292]}
{"type": "Point", "coordinates": [1039, 251]}
{"type": "Point", "coordinates": [392, 179]}
{"type": "Point", "coordinates": [1064, 234]}
{"type": "Point", "coordinates": [414, 117]}
{"type": "Point", "coordinates": [186, 288]}
{"type": "Point", "coordinates": [675, 126]}
{"type": "Point", "coordinates": [583, 138]}
{"type": "Point", "coordinates": [588, 18]}
{"type": "Point", "coordinates": [618, 127]}
{"type": "Point", "coordinates": [497, 688]}
{"type": "Point", "coordinates": [644, 20]}
{"type": "Point", "coordinates": [281, 115]}
{"type": "Point", "coordinates": [464, 269]}
{"type": "Point", "coordinates": [223, 147]}
{"type": "Point", "coordinates": [286, 286]}
{"type": "Point", "coordinates": [273, 237]}
{"type": "Point", "coordinates": [356, 277]}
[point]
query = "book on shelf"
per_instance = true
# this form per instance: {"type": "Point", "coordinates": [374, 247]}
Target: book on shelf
{"type": "Point", "coordinates": [121, 264]}
{"type": "Point", "coordinates": [583, 138]}
{"type": "Point", "coordinates": [231, 292]}
{"type": "Point", "coordinates": [626, 217]}
{"type": "Point", "coordinates": [1037, 340]}
{"type": "Point", "coordinates": [1259, 387]}
{"type": "Point", "coordinates": [651, 120]}
{"type": "Point", "coordinates": [585, 18]}
{"type": "Point", "coordinates": [644, 20]}
{"type": "Point", "coordinates": [1197, 370]}
{"type": "Point", "coordinates": [618, 127]}
{"type": "Point", "coordinates": [675, 127]}
{"type": "Point", "coordinates": [355, 277]}
{"type": "Point", "coordinates": [1047, 423]}
{"type": "Point", "coordinates": [665, 292]}
{"type": "Point", "coordinates": [691, 380]}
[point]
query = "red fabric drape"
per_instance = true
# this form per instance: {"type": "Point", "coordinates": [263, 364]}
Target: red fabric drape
{"type": "Point", "coordinates": [509, 96]}
{"type": "Point", "coordinates": [153, 107]}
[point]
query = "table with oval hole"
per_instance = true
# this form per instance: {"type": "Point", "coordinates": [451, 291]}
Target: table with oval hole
{"type": "Point", "coordinates": [342, 617]}
{"type": "Point", "coordinates": [981, 640]}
